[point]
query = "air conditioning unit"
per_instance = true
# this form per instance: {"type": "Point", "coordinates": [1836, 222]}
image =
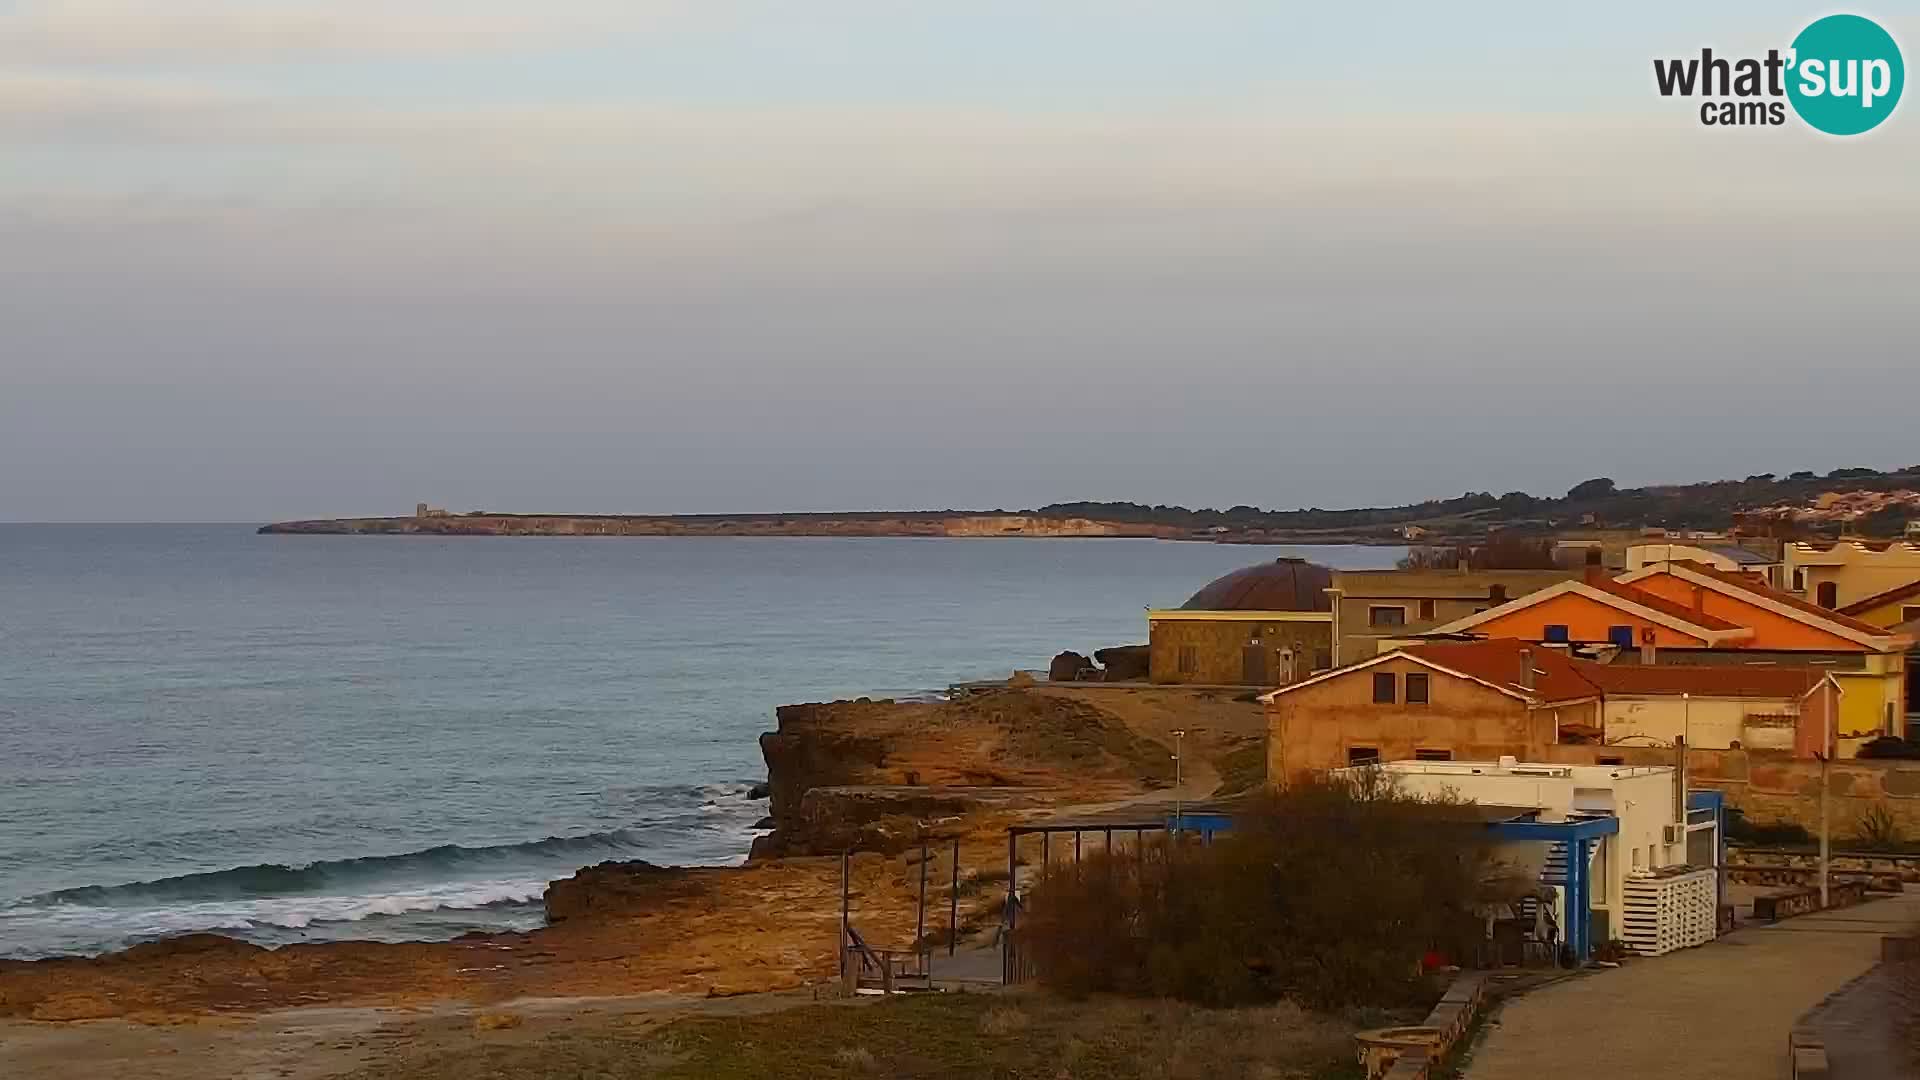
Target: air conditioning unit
{"type": "Point", "coordinates": [1673, 833]}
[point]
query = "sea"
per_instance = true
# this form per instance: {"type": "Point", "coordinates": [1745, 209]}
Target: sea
{"type": "Point", "coordinates": [309, 738]}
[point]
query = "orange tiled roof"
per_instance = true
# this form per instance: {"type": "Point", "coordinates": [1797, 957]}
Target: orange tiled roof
{"type": "Point", "coordinates": [1729, 680]}
{"type": "Point", "coordinates": [1661, 604]}
{"type": "Point", "coordinates": [1761, 588]}
{"type": "Point", "coordinates": [1556, 677]}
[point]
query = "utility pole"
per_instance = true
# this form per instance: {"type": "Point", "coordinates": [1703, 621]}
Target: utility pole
{"type": "Point", "coordinates": [1826, 823]}
{"type": "Point", "coordinates": [1179, 734]}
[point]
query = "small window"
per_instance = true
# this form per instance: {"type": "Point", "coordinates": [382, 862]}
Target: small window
{"type": "Point", "coordinates": [1189, 659]}
{"type": "Point", "coordinates": [1417, 688]}
{"type": "Point", "coordinates": [1384, 688]}
{"type": "Point", "coordinates": [1426, 610]}
{"type": "Point", "coordinates": [1386, 616]}
{"type": "Point", "coordinates": [1621, 636]}
{"type": "Point", "coordinates": [1322, 659]}
{"type": "Point", "coordinates": [1909, 612]}
{"type": "Point", "coordinates": [1609, 760]}
{"type": "Point", "coordinates": [1828, 595]}
{"type": "Point", "coordinates": [1799, 580]}
{"type": "Point", "coordinates": [1433, 755]}
{"type": "Point", "coordinates": [1362, 755]}
{"type": "Point", "coordinates": [1556, 632]}
{"type": "Point", "coordinates": [1496, 595]}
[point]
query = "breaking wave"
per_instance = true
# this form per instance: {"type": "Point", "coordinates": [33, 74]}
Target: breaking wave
{"type": "Point", "coordinates": [275, 879]}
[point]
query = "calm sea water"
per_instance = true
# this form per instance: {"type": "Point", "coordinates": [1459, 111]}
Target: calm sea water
{"type": "Point", "coordinates": [290, 738]}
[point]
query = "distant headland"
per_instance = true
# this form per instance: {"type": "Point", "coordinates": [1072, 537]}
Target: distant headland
{"type": "Point", "coordinates": [1855, 501]}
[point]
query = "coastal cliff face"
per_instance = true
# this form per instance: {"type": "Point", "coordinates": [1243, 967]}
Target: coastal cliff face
{"type": "Point", "coordinates": [869, 775]}
{"type": "Point", "coordinates": [936, 525]}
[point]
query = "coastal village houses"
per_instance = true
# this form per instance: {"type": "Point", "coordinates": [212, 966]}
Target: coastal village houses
{"type": "Point", "coordinates": [1465, 700]}
{"type": "Point", "coordinates": [1692, 614]}
{"type": "Point", "coordinates": [1375, 606]}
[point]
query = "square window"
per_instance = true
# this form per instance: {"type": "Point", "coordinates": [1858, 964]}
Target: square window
{"type": "Point", "coordinates": [1385, 688]}
{"type": "Point", "coordinates": [1362, 755]}
{"type": "Point", "coordinates": [1426, 610]}
{"type": "Point", "coordinates": [1556, 632]}
{"type": "Point", "coordinates": [1322, 659]}
{"type": "Point", "coordinates": [1386, 616]}
{"type": "Point", "coordinates": [1909, 612]}
{"type": "Point", "coordinates": [1433, 755]}
{"type": "Point", "coordinates": [1621, 636]}
{"type": "Point", "coordinates": [1417, 688]}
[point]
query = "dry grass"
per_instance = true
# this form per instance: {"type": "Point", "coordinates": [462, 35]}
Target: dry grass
{"type": "Point", "coordinates": [1028, 1036]}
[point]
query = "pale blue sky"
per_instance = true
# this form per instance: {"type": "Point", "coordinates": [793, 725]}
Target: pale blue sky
{"type": "Point", "coordinates": [292, 257]}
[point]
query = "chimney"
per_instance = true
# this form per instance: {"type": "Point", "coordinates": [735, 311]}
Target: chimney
{"type": "Point", "coordinates": [1699, 600]}
{"type": "Point", "coordinates": [1649, 655]}
{"type": "Point", "coordinates": [1526, 669]}
{"type": "Point", "coordinates": [1595, 575]}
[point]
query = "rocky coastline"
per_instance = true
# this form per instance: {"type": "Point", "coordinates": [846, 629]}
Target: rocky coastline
{"type": "Point", "coordinates": [871, 777]}
{"type": "Point", "coordinates": [878, 524]}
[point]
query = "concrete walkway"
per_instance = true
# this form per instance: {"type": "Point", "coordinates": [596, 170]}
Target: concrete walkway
{"type": "Point", "coordinates": [1718, 1012]}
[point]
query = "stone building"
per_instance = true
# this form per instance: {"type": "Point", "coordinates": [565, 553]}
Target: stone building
{"type": "Point", "coordinates": [1372, 608]}
{"type": "Point", "coordinates": [1265, 625]}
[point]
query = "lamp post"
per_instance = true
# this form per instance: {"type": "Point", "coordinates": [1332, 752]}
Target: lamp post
{"type": "Point", "coordinates": [1179, 734]}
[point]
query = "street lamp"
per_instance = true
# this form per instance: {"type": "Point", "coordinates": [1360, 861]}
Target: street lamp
{"type": "Point", "coordinates": [1179, 734]}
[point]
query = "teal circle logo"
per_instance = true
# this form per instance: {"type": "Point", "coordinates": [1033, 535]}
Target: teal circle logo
{"type": "Point", "coordinates": [1846, 75]}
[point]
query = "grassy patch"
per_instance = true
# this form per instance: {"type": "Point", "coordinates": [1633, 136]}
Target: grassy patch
{"type": "Point", "coordinates": [1242, 770]}
{"type": "Point", "coordinates": [1003, 1036]}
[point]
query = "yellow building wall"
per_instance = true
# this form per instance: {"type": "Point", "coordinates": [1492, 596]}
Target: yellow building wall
{"type": "Point", "coordinates": [1856, 572]}
{"type": "Point", "coordinates": [1219, 648]}
{"type": "Point", "coordinates": [1312, 729]}
{"type": "Point", "coordinates": [1890, 615]}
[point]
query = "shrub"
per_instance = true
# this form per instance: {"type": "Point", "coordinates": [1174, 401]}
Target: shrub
{"type": "Point", "coordinates": [1327, 892]}
{"type": "Point", "coordinates": [1878, 828]}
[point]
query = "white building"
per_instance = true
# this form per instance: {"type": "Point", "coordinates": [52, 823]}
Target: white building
{"type": "Point", "coordinates": [1651, 838]}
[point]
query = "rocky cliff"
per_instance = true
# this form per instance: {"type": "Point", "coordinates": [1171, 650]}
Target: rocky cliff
{"type": "Point", "coordinates": [874, 524]}
{"type": "Point", "coordinates": [871, 774]}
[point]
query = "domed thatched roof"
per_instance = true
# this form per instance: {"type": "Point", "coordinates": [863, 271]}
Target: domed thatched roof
{"type": "Point", "coordinates": [1280, 585]}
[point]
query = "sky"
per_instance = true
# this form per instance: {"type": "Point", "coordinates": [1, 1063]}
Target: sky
{"type": "Point", "coordinates": [263, 259]}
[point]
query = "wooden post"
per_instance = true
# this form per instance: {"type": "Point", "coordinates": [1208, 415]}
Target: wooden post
{"type": "Point", "coordinates": [1046, 851]}
{"type": "Point", "coordinates": [845, 859]}
{"type": "Point", "coordinates": [953, 902]}
{"type": "Point", "coordinates": [1076, 847]}
{"type": "Point", "coordinates": [920, 917]}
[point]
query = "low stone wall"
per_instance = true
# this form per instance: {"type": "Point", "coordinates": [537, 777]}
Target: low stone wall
{"type": "Point", "coordinates": [1773, 787]}
{"type": "Point", "coordinates": [1882, 870]}
{"type": "Point", "coordinates": [1412, 1052]}
{"type": "Point", "coordinates": [1804, 901]}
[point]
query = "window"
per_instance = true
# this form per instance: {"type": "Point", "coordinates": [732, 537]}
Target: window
{"type": "Point", "coordinates": [1426, 610]}
{"type": "Point", "coordinates": [1386, 616]}
{"type": "Point", "coordinates": [1417, 688]}
{"type": "Point", "coordinates": [1384, 688]}
{"type": "Point", "coordinates": [1433, 755]}
{"type": "Point", "coordinates": [1909, 612]}
{"type": "Point", "coordinates": [1621, 636]}
{"type": "Point", "coordinates": [1322, 659]}
{"type": "Point", "coordinates": [1606, 760]}
{"type": "Point", "coordinates": [1189, 659]}
{"type": "Point", "coordinates": [1362, 755]}
{"type": "Point", "coordinates": [1799, 580]}
{"type": "Point", "coordinates": [1556, 632]}
{"type": "Point", "coordinates": [1496, 595]}
{"type": "Point", "coordinates": [1828, 595]}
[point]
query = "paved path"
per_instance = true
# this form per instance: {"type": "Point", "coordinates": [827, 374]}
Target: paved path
{"type": "Point", "coordinates": [1718, 1012]}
